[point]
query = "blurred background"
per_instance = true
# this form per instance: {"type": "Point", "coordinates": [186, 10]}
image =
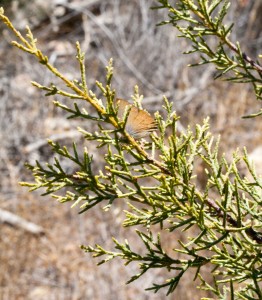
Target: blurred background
{"type": "Point", "coordinates": [51, 265]}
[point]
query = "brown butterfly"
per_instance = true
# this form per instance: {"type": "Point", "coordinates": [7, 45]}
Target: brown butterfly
{"type": "Point", "coordinates": [139, 122]}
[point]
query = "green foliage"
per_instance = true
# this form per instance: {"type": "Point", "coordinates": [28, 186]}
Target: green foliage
{"type": "Point", "coordinates": [197, 21]}
{"type": "Point", "coordinates": [158, 178]}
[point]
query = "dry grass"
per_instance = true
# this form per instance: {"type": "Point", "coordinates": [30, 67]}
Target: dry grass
{"type": "Point", "coordinates": [53, 266]}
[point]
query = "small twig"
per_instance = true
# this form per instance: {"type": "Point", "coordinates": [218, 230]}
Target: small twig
{"type": "Point", "coordinates": [251, 61]}
{"type": "Point", "coordinates": [55, 137]}
{"type": "Point", "coordinates": [254, 235]}
{"type": "Point", "coordinates": [14, 220]}
{"type": "Point", "coordinates": [233, 47]}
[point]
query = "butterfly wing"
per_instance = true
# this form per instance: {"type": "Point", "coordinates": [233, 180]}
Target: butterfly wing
{"type": "Point", "coordinates": [139, 122]}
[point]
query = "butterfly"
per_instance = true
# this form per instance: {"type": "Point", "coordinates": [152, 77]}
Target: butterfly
{"type": "Point", "coordinates": [139, 122]}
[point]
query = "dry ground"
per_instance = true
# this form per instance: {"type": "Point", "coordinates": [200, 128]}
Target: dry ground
{"type": "Point", "coordinates": [52, 266]}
